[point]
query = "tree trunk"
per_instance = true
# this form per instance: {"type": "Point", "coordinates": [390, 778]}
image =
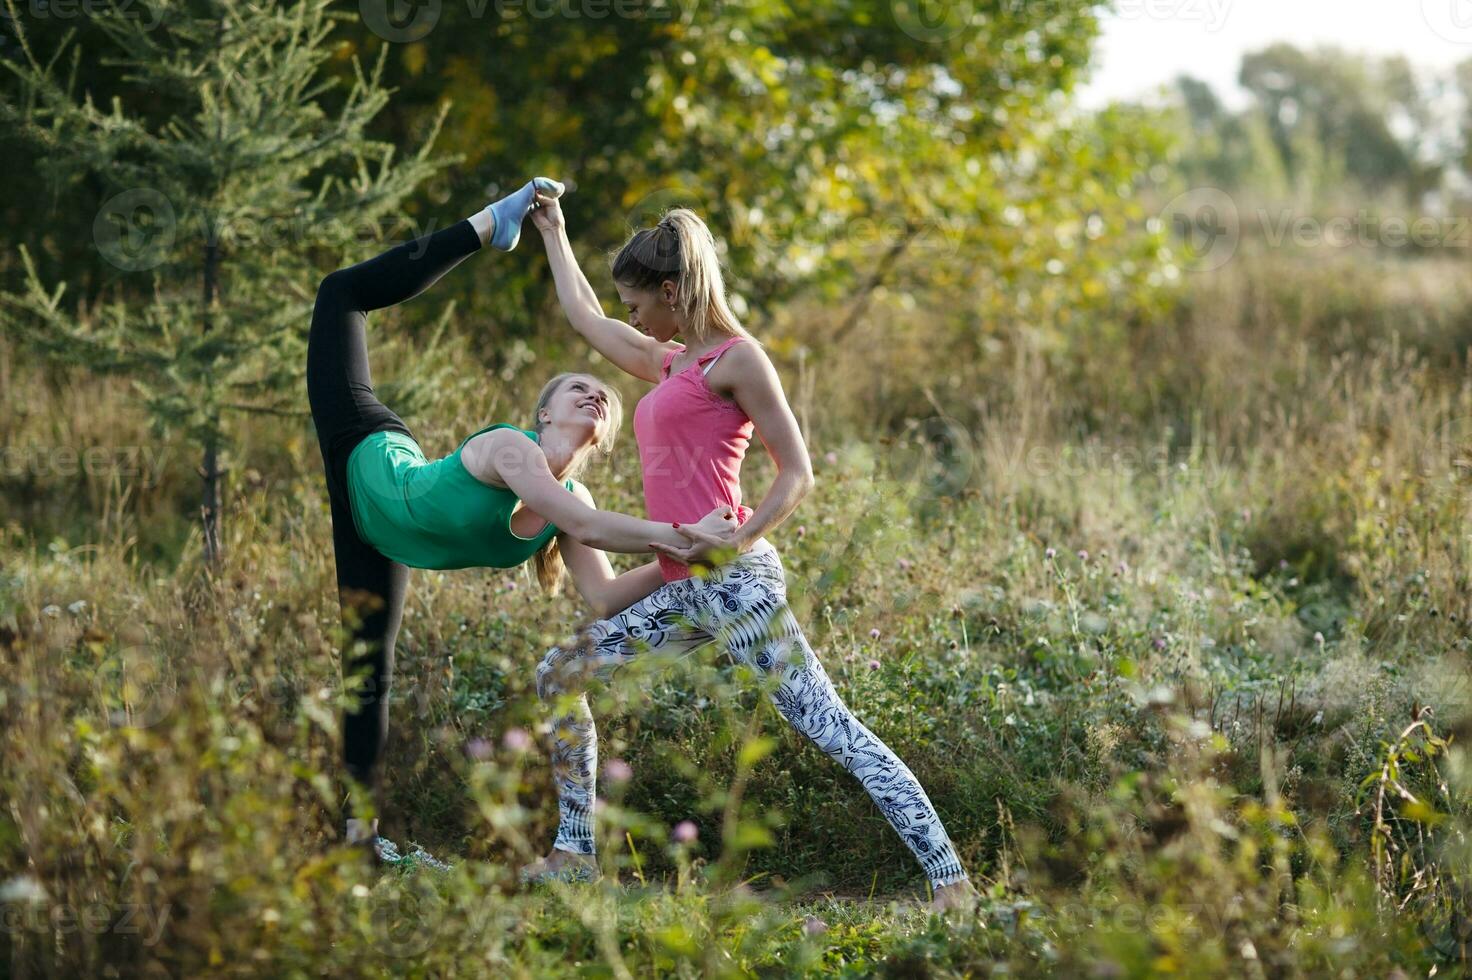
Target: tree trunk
{"type": "Point", "coordinates": [210, 471]}
{"type": "Point", "coordinates": [210, 506]}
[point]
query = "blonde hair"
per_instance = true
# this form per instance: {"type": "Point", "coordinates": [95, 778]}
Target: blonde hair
{"type": "Point", "coordinates": [548, 561]}
{"type": "Point", "coordinates": [681, 249]}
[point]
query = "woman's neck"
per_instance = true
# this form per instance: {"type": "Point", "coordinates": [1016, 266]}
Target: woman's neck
{"type": "Point", "coordinates": [696, 349]}
{"type": "Point", "coordinates": [561, 450]}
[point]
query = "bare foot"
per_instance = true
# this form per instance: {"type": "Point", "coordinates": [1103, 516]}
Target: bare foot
{"type": "Point", "coordinates": [957, 895]}
{"type": "Point", "coordinates": [561, 866]}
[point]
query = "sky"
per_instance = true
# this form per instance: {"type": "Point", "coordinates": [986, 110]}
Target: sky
{"type": "Point", "coordinates": [1146, 43]}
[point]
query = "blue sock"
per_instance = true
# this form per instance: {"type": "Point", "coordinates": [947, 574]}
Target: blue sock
{"type": "Point", "coordinates": [512, 209]}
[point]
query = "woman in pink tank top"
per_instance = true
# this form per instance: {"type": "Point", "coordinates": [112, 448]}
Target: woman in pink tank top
{"type": "Point", "coordinates": [711, 393]}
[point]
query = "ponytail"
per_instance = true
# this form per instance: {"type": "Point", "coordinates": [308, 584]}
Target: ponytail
{"type": "Point", "coordinates": [681, 249]}
{"type": "Point", "coordinates": [550, 568]}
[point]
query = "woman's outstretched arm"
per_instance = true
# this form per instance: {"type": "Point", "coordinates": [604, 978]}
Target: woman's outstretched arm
{"type": "Point", "coordinates": [592, 573]}
{"type": "Point", "coordinates": [506, 457]}
{"type": "Point", "coordinates": [638, 354]}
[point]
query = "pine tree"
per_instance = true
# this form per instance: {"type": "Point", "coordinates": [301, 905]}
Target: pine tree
{"type": "Point", "coordinates": [244, 160]}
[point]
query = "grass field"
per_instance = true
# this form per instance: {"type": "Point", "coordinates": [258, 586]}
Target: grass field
{"type": "Point", "coordinates": [1173, 627]}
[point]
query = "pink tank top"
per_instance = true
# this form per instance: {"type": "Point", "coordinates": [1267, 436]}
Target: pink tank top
{"type": "Point", "coordinates": [691, 443]}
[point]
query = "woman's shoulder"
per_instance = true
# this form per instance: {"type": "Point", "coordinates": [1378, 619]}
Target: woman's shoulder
{"type": "Point", "coordinates": [509, 429]}
{"type": "Point", "coordinates": [479, 452]}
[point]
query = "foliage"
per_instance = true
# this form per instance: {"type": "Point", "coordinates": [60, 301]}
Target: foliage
{"type": "Point", "coordinates": [1324, 126]}
{"type": "Point", "coordinates": [1152, 682]}
{"type": "Point", "coordinates": [218, 187]}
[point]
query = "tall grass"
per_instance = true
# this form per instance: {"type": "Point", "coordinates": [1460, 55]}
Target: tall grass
{"type": "Point", "coordinates": [1174, 633]}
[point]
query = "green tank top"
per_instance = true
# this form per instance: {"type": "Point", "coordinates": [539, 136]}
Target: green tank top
{"type": "Point", "coordinates": [434, 514]}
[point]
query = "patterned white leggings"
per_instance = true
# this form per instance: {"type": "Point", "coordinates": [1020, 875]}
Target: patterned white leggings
{"type": "Point", "coordinates": [742, 608]}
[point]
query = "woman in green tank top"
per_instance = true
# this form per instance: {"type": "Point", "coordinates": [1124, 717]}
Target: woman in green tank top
{"type": "Point", "coordinates": [506, 495]}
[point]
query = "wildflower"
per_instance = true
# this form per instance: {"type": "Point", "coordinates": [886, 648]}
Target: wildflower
{"type": "Point", "coordinates": [1121, 568]}
{"type": "Point", "coordinates": [1083, 555]}
{"type": "Point", "coordinates": [685, 832]}
{"type": "Point", "coordinates": [52, 610]}
{"type": "Point", "coordinates": [904, 564]}
{"type": "Point", "coordinates": [516, 739]}
{"type": "Point", "coordinates": [617, 771]}
{"type": "Point", "coordinates": [1318, 638]}
{"type": "Point", "coordinates": [874, 633]}
{"type": "Point", "coordinates": [1050, 554]}
{"type": "Point", "coordinates": [831, 458]}
{"type": "Point", "coordinates": [802, 530]}
{"type": "Point", "coordinates": [1159, 643]}
{"type": "Point", "coordinates": [76, 608]}
{"type": "Point", "coordinates": [873, 665]}
{"type": "Point", "coordinates": [478, 748]}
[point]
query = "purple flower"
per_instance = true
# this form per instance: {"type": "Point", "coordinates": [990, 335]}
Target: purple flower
{"type": "Point", "coordinates": [802, 530]}
{"type": "Point", "coordinates": [831, 458]}
{"type": "Point", "coordinates": [1158, 643]}
{"type": "Point", "coordinates": [1121, 568]}
{"type": "Point", "coordinates": [1050, 554]}
{"type": "Point", "coordinates": [874, 633]}
{"type": "Point", "coordinates": [904, 564]}
{"type": "Point", "coordinates": [517, 739]}
{"type": "Point", "coordinates": [617, 771]}
{"type": "Point", "coordinates": [1083, 555]}
{"type": "Point", "coordinates": [478, 748]}
{"type": "Point", "coordinates": [873, 665]}
{"type": "Point", "coordinates": [685, 832]}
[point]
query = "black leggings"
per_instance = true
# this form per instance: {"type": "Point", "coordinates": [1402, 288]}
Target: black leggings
{"type": "Point", "coordinates": [345, 411]}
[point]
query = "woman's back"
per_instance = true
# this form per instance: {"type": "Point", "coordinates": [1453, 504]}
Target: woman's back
{"type": "Point", "coordinates": [434, 514]}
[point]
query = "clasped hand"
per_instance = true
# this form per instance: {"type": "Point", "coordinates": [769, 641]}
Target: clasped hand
{"type": "Point", "coordinates": [712, 540]}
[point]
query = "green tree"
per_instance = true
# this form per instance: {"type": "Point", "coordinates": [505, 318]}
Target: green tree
{"type": "Point", "coordinates": [235, 157]}
{"type": "Point", "coordinates": [879, 161]}
{"type": "Point", "coordinates": [1333, 113]}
